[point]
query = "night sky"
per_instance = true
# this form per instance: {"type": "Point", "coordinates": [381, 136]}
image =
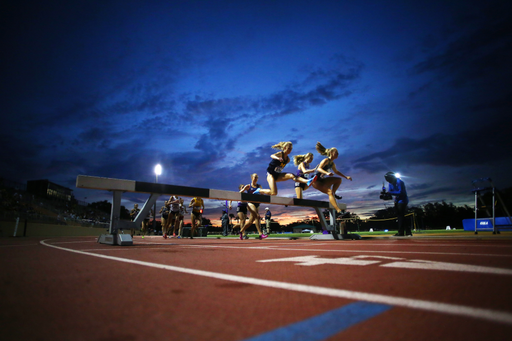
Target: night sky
{"type": "Point", "coordinates": [205, 88]}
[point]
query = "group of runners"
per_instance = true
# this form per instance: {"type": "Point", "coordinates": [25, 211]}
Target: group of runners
{"type": "Point", "coordinates": [173, 213]}
{"type": "Point", "coordinates": [319, 177]}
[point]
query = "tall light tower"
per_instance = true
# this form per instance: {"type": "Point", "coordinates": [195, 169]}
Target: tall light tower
{"type": "Point", "coordinates": [158, 171]}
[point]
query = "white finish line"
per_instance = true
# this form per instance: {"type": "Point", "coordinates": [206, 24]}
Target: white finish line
{"type": "Point", "coordinates": [446, 308]}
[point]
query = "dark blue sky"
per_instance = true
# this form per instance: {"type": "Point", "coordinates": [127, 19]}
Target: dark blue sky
{"type": "Point", "coordinates": [111, 88]}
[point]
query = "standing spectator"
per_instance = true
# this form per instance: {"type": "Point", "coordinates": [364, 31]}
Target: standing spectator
{"type": "Point", "coordinates": [268, 215]}
{"type": "Point", "coordinates": [133, 214]}
{"type": "Point", "coordinates": [225, 223]}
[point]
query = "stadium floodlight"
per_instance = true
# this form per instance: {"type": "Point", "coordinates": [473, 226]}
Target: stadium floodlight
{"type": "Point", "coordinates": [397, 175]}
{"type": "Point", "coordinates": [158, 171]}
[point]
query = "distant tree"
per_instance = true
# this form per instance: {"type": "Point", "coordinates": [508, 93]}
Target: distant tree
{"type": "Point", "coordinates": [439, 215]}
{"type": "Point", "coordinates": [103, 206]}
{"type": "Point", "coordinates": [432, 215]}
{"type": "Point", "coordinates": [388, 212]}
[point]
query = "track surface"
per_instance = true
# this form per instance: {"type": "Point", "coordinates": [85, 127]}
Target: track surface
{"type": "Point", "coordinates": [72, 288]}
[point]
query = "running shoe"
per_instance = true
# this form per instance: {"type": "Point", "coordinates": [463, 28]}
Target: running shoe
{"type": "Point", "coordinates": [165, 236]}
{"type": "Point", "coordinates": [257, 191]}
{"type": "Point", "coordinates": [174, 235]}
{"type": "Point", "coordinates": [262, 236]}
{"type": "Point", "coordinates": [313, 179]}
{"type": "Point", "coordinates": [241, 236]}
{"type": "Point", "coordinates": [179, 237]}
{"type": "Point", "coordinates": [338, 196]}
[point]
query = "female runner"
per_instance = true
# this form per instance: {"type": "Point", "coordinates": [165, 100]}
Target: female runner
{"type": "Point", "coordinates": [180, 218]}
{"type": "Point", "coordinates": [196, 217]}
{"type": "Point", "coordinates": [165, 216]}
{"type": "Point", "coordinates": [253, 207]}
{"type": "Point", "coordinates": [328, 185]}
{"type": "Point", "coordinates": [303, 162]}
{"type": "Point", "coordinates": [241, 211]}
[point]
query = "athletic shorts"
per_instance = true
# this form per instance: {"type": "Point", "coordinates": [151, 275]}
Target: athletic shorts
{"type": "Point", "coordinates": [242, 209]}
{"type": "Point", "coordinates": [272, 172]}
{"type": "Point", "coordinates": [300, 184]}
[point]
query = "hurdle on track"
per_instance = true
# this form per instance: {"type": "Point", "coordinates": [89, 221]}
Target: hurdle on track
{"type": "Point", "coordinates": [155, 190]}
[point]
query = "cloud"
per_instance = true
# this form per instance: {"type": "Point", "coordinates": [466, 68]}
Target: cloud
{"type": "Point", "coordinates": [486, 145]}
{"type": "Point", "coordinates": [319, 86]}
{"type": "Point", "coordinates": [478, 48]}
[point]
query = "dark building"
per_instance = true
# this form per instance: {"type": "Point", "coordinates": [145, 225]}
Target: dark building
{"type": "Point", "coordinates": [50, 190]}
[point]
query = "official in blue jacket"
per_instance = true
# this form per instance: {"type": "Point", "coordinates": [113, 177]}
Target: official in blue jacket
{"type": "Point", "coordinates": [398, 190]}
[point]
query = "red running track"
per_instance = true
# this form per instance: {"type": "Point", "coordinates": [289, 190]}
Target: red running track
{"type": "Point", "coordinates": [225, 289]}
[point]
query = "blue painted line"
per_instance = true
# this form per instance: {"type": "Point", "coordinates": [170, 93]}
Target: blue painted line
{"type": "Point", "coordinates": [325, 325]}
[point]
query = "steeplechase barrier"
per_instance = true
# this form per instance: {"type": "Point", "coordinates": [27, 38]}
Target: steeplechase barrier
{"type": "Point", "coordinates": [155, 190]}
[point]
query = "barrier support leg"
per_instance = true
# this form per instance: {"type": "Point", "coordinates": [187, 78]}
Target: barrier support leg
{"type": "Point", "coordinates": [337, 232]}
{"type": "Point", "coordinates": [114, 237]}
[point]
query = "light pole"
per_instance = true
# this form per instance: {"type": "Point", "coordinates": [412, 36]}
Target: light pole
{"type": "Point", "coordinates": [158, 171]}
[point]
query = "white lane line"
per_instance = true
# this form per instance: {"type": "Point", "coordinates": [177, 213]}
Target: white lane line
{"type": "Point", "coordinates": [446, 308]}
{"type": "Point", "coordinates": [77, 242]}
